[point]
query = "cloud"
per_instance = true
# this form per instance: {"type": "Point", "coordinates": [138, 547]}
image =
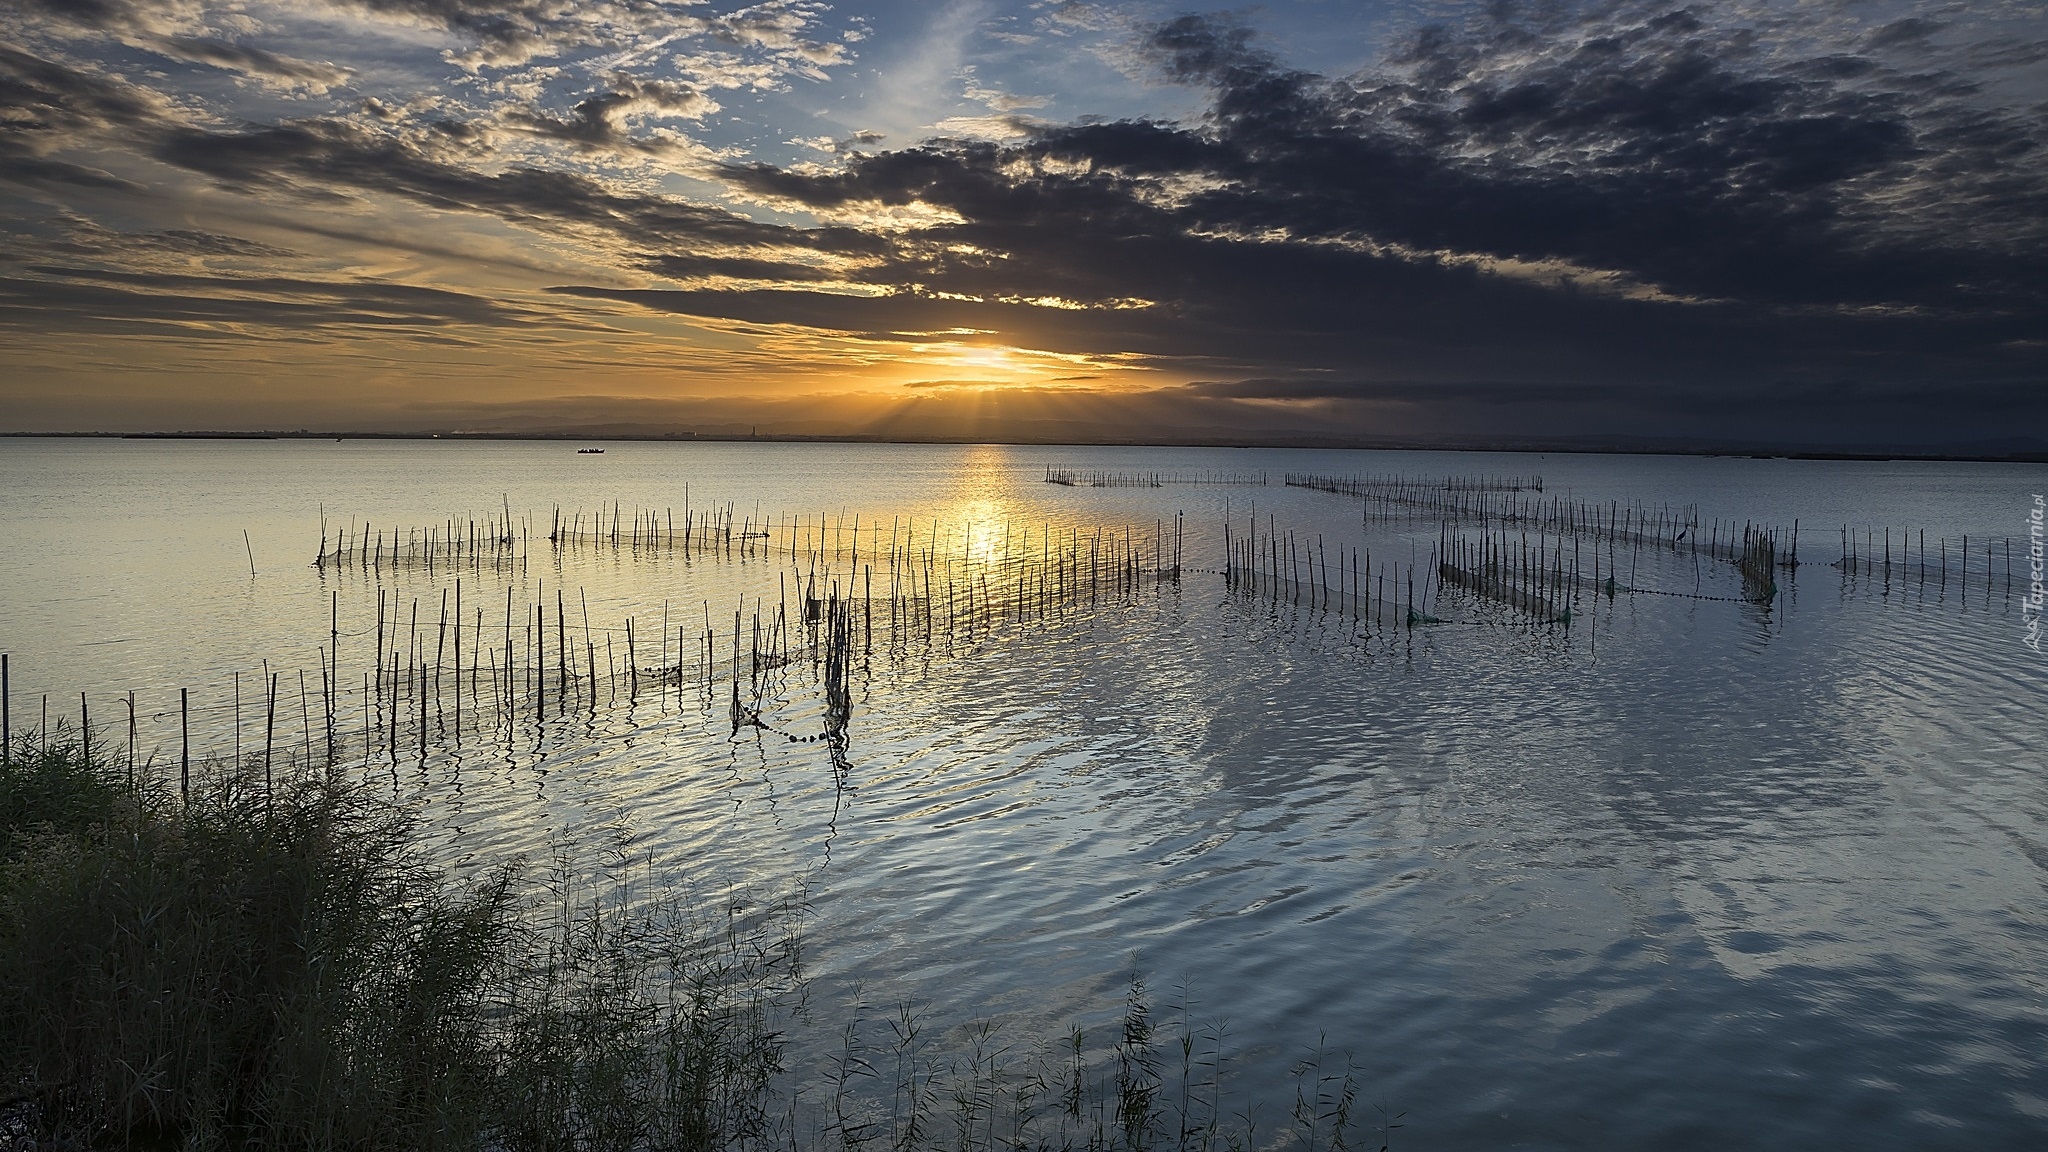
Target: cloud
{"type": "Point", "coordinates": [314, 76]}
{"type": "Point", "coordinates": [778, 26]}
{"type": "Point", "coordinates": [147, 17]}
{"type": "Point", "coordinates": [1354, 390]}
{"type": "Point", "coordinates": [841, 146]}
{"type": "Point", "coordinates": [79, 236]}
{"type": "Point", "coordinates": [1631, 143]}
{"type": "Point", "coordinates": [1000, 101]}
{"type": "Point", "coordinates": [599, 123]}
{"type": "Point", "coordinates": [180, 30]}
{"type": "Point", "coordinates": [328, 159]}
{"type": "Point", "coordinates": [225, 307]}
{"type": "Point", "coordinates": [505, 32]}
{"type": "Point", "coordinates": [1482, 192]}
{"type": "Point", "coordinates": [1634, 208]}
{"type": "Point", "coordinates": [1010, 127]}
{"type": "Point", "coordinates": [48, 108]}
{"type": "Point", "coordinates": [509, 33]}
{"type": "Point", "coordinates": [1911, 33]}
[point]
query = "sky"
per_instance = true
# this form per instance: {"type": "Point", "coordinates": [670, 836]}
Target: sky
{"type": "Point", "coordinates": [1818, 224]}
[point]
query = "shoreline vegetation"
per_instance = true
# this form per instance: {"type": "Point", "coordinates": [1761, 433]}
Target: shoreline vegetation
{"type": "Point", "coordinates": [275, 960]}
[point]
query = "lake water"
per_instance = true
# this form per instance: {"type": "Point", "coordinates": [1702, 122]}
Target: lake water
{"type": "Point", "coordinates": [1692, 872]}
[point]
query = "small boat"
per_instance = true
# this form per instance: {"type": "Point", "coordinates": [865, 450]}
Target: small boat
{"type": "Point", "coordinates": [590, 451]}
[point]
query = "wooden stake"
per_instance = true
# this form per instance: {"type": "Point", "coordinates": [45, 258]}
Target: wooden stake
{"type": "Point", "coordinates": [269, 731]}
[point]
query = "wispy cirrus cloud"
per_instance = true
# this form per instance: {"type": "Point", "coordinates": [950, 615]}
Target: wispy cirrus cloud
{"type": "Point", "coordinates": [224, 307]}
{"type": "Point", "coordinates": [48, 109]}
{"type": "Point", "coordinates": [313, 75]}
{"type": "Point", "coordinates": [190, 32]}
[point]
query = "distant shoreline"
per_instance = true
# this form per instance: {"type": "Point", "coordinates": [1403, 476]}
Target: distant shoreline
{"type": "Point", "coordinates": [1617, 448]}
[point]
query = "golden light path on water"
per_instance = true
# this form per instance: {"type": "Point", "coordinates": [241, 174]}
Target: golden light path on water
{"type": "Point", "coordinates": [982, 507]}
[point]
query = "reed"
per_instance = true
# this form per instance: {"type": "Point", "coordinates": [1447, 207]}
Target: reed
{"type": "Point", "coordinates": [1160, 1084]}
{"type": "Point", "coordinates": [1887, 559]}
{"type": "Point", "coordinates": [1413, 487]}
{"type": "Point", "coordinates": [1104, 478]}
{"type": "Point", "coordinates": [1278, 567]}
{"type": "Point", "coordinates": [859, 588]}
{"type": "Point", "coordinates": [1758, 564]}
{"type": "Point", "coordinates": [1519, 503]}
{"type": "Point", "coordinates": [494, 541]}
{"type": "Point", "coordinates": [240, 970]}
{"type": "Point", "coordinates": [846, 593]}
{"type": "Point", "coordinates": [244, 971]}
{"type": "Point", "coordinates": [1884, 557]}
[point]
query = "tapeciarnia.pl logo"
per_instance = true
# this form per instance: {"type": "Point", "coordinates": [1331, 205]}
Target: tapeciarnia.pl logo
{"type": "Point", "coordinates": [2030, 608]}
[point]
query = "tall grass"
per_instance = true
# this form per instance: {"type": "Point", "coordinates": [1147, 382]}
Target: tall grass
{"type": "Point", "coordinates": [285, 968]}
{"type": "Point", "coordinates": [282, 966]}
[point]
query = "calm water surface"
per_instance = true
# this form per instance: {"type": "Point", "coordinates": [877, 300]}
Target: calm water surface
{"type": "Point", "coordinates": [1723, 877]}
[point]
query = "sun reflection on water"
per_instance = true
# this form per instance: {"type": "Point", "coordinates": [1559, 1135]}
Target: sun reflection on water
{"type": "Point", "coordinates": [981, 510]}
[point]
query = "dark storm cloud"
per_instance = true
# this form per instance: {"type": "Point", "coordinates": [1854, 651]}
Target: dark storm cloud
{"type": "Point", "coordinates": [1641, 149]}
{"type": "Point", "coordinates": [1763, 410]}
{"type": "Point", "coordinates": [1640, 199]}
{"type": "Point", "coordinates": [1655, 146]}
{"type": "Point", "coordinates": [1403, 391]}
